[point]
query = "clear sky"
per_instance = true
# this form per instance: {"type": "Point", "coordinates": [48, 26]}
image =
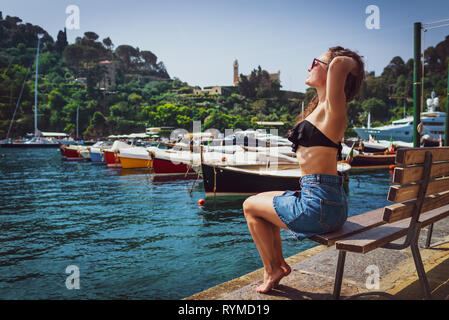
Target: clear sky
{"type": "Point", "coordinates": [198, 40]}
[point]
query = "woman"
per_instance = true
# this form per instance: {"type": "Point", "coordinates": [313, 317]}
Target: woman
{"type": "Point", "coordinates": [320, 205]}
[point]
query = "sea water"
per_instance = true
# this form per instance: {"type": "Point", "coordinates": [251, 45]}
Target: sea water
{"type": "Point", "coordinates": [79, 230]}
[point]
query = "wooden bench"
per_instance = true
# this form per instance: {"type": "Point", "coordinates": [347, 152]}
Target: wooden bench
{"type": "Point", "coordinates": [421, 198]}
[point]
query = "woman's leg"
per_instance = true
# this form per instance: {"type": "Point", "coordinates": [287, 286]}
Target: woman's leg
{"type": "Point", "coordinates": [277, 247]}
{"type": "Point", "coordinates": [264, 225]}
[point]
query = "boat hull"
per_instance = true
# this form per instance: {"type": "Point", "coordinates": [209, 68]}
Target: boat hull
{"type": "Point", "coordinates": [168, 167]}
{"type": "Point", "coordinates": [112, 159]}
{"type": "Point", "coordinates": [73, 155]}
{"type": "Point", "coordinates": [97, 157]}
{"type": "Point", "coordinates": [29, 145]}
{"type": "Point", "coordinates": [131, 163]}
{"type": "Point", "coordinates": [219, 181]}
{"type": "Point", "coordinates": [378, 160]}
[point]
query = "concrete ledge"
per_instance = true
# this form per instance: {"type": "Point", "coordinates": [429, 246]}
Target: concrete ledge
{"type": "Point", "coordinates": [313, 272]}
{"type": "Point", "coordinates": [226, 288]}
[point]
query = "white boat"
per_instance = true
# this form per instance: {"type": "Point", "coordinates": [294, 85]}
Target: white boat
{"type": "Point", "coordinates": [402, 130]}
{"type": "Point", "coordinates": [284, 150]}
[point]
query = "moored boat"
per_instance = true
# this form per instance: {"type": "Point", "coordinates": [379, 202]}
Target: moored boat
{"type": "Point", "coordinates": [72, 152]}
{"type": "Point", "coordinates": [137, 157]}
{"type": "Point", "coordinates": [96, 151]}
{"type": "Point", "coordinates": [241, 180]}
{"type": "Point", "coordinates": [402, 130]}
{"type": "Point", "coordinates": [372, 161]}
{"type": "Point", "coordinates": [112, 155]}
{"type": "Point", "coordinates": [174, 163]}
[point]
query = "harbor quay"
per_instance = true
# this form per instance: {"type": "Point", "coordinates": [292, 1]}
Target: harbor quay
{"type": "Point", "coordinates": [378, 275]}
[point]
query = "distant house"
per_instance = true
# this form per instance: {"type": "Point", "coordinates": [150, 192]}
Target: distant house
{"type": "Point", "coordinates": [215, 90]}
{"type": "Point", "coordinates": [108, 80]}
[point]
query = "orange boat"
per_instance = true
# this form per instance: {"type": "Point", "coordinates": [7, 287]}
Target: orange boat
{"type": "Point", "coordinates": [111, 155]}
{"type": "Point", "coordinates": [138, 157]}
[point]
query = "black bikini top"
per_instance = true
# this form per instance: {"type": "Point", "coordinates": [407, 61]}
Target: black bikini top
{"type": "Point", "coordinates": [307, 135]}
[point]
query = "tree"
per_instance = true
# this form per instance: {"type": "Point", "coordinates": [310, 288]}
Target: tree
{"type": "Point", "coordinates": [108, 43]}
{"type": "Point", "coordinates": [73, 56]}
{"type": "Point", "coordinates": [61, 41]}
{"type": "Point", "coordinates": [150, 59]}
{"type": "Point", "coordinates": [376, 107]}
{"type": "Point", "coordinates": [89, 35]}
{"type": "Point", "coordinates": [127, 55]}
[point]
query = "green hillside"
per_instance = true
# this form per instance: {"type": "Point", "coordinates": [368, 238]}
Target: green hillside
{"type": "Point", "coordinates": [121, 89]}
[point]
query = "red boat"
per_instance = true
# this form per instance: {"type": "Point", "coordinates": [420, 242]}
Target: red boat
{"type": "Point", "coordinates": [167, 167]}
{"type": "Point", "coordinates": [112, 159]}
{"type": "Point", "coordinates": [71, 153]}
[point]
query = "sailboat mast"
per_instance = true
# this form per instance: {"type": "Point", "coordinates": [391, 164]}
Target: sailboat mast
{"type": "Point", "coordinates": [39, 36]}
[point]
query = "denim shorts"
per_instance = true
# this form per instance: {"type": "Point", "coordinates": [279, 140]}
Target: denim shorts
{"type": "Point", "coordinates": [319, 206]}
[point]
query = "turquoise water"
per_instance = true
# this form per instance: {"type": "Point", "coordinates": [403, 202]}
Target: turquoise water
{"type": "Point", "coordinates": [129, 236]}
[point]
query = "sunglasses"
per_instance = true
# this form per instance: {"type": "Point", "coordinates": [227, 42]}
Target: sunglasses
{"type": "Point", "coordinates": [316, 61]}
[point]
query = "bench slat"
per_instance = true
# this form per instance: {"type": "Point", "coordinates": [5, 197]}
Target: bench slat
{"type": "Point", "coordinates": [409, 192]}
{"type": "Point", "coordinates": [403, 175]}
{"type": "Point", "coordinates": [404, 210]}
{"type": "Point", "coordinates": [416, 155]}
{"type": "Point", "coordinates": [353, 225]}
{"type": "Point", "coordinates": [380, 236]}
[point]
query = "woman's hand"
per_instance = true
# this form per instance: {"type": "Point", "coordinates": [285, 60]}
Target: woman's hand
{"type": "Point", "coordinates": [346, 64]}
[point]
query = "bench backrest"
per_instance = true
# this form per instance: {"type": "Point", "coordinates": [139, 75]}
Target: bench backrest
{"type": "Point", "coordinates": [423, 178]}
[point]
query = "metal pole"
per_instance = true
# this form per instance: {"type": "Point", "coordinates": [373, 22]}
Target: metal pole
{"type": "Point", "coordinates": [35, 87]}
{"type": "Point", "coordinates": [446, 125]}
{"type": "Point", "coordinates": [417, 83]}
{"type": "Point", "coordinates": [77, 116]}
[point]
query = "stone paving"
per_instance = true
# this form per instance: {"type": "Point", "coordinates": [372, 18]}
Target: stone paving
{"type": "Point", "coordinates": [313, 271]}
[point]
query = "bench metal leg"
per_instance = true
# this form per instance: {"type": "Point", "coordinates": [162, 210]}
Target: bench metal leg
{"type": "Point", "coordinates": [339, 274]}
{"type": "Point", "coordinates": [429, 236]}
{"type": "Point", "coordinates": [420, 270]}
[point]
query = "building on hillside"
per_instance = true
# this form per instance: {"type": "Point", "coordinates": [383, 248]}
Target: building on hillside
{"type": "Point", "coordinates": [215, 90]}
{"type": "Point", "coordinates": [273, 76]}
{"type": "Point", "coordinates": [108, 80]}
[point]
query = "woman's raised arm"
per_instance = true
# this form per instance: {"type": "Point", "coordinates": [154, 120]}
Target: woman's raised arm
{"type": "Point", "coordinates": [339, 69]}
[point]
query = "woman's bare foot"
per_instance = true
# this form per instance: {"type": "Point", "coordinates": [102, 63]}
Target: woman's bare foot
{"type": "Point", "coordinates": [286, 268]}
{"type": "Point", "coordinates": [270, 280]}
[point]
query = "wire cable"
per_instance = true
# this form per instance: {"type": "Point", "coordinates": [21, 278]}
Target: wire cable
{"type": "Point", "coordinates": [18, 103]}
{"type": "Point", "coordinates": [434, 22]}
{"type": "Point", "coordinates": [436, 27]}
